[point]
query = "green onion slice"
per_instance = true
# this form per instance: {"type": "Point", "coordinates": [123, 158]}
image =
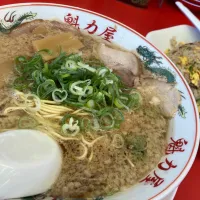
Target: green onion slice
{"type": "Point", "coordinates": [85, 66]}
{"type": "Point", "coordinates": [70, 65]}
{"type": "Point", "coordinates": [90, 104]}
{"type": "Point", "coordinates": [78, 87]}
{"type": "Point", "coordinates": [59, 95]}
{"type": "Point", "coordinates": [107, 121]}
{"type": "Point", "coordinates": [118, 103]}
{"type": "Point", "coordinates": [32, 98]}
{"type": "Point", "coordinates": [72, 128]}
{"type": "Point", "coordinates": [85, 124]}
{"type": "Point", "coordinates": [46, 88]}
{"type": "Point", "coordinates": [66, 118]}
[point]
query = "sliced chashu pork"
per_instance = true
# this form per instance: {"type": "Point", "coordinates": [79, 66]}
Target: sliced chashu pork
{"type": "Point", "coordinates": [162, 94]}
{"type": "Point", "coordinates": [124, 64]}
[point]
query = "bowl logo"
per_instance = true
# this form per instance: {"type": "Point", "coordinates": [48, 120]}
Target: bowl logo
{"type": "Point", "coordinates": [175, 146]}
{"type": "Point", "coordinates": [92, 27]}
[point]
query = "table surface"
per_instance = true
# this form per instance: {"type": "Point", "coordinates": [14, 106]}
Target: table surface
{"type": "Point", "coordinates": [143, 21]}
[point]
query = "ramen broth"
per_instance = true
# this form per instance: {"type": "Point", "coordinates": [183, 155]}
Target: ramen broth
{"type": "Point", "coordinates": [96, 162]}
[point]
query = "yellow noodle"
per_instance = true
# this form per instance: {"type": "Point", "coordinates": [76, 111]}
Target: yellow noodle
{"type": "Point", "coordinates": [50, 102]}
{"type": "Point", "coordinates": [91, 155]}
{"type": "Point", "coordinates": [12, 109]}
{"type": "Point", "coordinates": [85, 152]}
{"type": "Point", "coordinates": [90, 144]}
{"type": "Point", "coordinates": [130, 162]}
{"type": "Point", "coordinates": [48, 109]}
{"type": "Point", "coordinates": [52, 116]}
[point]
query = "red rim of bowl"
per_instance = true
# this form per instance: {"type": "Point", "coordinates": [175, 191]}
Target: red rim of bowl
{"type": "Point", "coordinates": [175, 183]}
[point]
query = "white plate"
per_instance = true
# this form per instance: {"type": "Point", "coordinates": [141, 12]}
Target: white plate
{"type": "Point", "coordinates": [183, 33]}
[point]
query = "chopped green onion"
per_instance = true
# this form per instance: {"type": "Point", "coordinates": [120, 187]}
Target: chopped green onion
{"type": "Point", "coordinates": [82, 99]}
{"type": "Point", "coordinates": [75, 57]}
{"type": "Point", "coordinates": [85, 124]}
{"type": "Point", "coordinates": [74, 104]}
{"type": "Point", "coordinates": [90, 104]}
{"type": "Point", "coordinates": [109, 81]}
{"type": "Point", "coordinates": [36, 75]}
{"type": "Point", "coordinates": [45, 70]}
{"type": "Point", "coordinates": [70, 65]}
{"type": "Point", "coordinates": [82, 65]}
{"type": "Point", "coordinates": [95, 126]}
{"type": "Point", "coordinates": [20, 84]}
{"type": "Point", "coordinates": [71, 128]}
{"type": "Point", "coordinates": [99, 97]}
{"type": "Point", "coordinates": [46, 88]}
{"type": "Point", "coordinates": [88, 90]}
{"type": "Point", "coordinates": [134, 100]}
{"type": "Point", "coordinates": [118, 115]}
{"type": "Point", "coordinates": [33, 98]}
{"type": "Point", "coordinates": [59, 95]}
{"type": "Point", "coordinates": [119, 104]}
{"type": "Point", "coordinates": [107, 121]}
{"type": "Point", "coordinates": [76, 88]}
{"type": "Point", "coordinates": [66, 118]}
{"type": "Point", "coordinates": [94, 89]}
{"type": "Point", "coordinates": [102, 71]}
{"type": "Point", "coordinates": [21, 59]}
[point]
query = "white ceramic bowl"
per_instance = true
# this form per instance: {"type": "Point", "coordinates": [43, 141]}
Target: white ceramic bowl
{"type": "Point", "coordinates": [183, 137]}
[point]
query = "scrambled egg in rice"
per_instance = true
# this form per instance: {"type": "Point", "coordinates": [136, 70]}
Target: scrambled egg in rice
{"type": "Point", "coordinates": [187, 58]}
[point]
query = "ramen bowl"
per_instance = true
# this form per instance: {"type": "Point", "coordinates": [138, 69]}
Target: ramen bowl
{"type": "Point", "coordinates": [183, 135]}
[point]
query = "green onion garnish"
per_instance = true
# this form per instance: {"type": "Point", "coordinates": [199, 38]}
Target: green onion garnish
{"type": "Point", "coordinates": [71, 82]}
